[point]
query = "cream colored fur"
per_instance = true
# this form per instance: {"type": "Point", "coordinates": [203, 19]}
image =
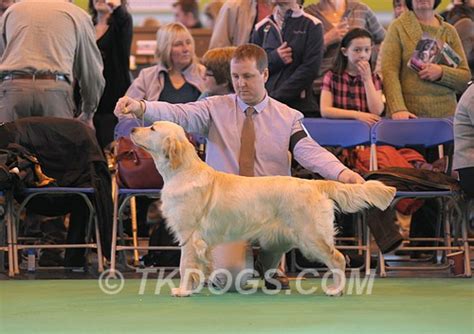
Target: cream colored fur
{"type": "Point", "coordinates": [204, 207]}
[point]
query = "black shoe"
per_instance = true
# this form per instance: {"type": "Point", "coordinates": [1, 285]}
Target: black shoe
{"type": "Point", "coordinates": [282, 279]}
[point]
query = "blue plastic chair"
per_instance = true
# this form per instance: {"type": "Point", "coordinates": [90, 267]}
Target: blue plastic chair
{"type": "Point", "coordinates": [347, 134]}
{"type": "Point", "coordinates": [342, 132]}
{"type": "Point", "coordinates": [428, 132]}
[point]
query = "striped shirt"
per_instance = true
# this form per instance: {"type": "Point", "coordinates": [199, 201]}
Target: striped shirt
{"type": "Point", "coordinates": [348, 92]}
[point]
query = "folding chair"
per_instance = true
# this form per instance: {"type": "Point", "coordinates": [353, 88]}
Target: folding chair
{"type": "Point", "coordinates": [346, 134]}
{"type": "Point", "coordinates": [92, 222]}
{"type": "Point", "coordinates": [426, 133]}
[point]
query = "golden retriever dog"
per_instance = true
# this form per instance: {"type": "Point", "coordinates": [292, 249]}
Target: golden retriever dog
{"type": "Point", "coordinates": [205, 208]}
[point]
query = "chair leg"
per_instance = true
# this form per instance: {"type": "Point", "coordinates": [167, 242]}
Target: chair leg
{"type": "Point", "coordinates": [14, 239]}
{"type": "Point", "coordinates": [467, 258]}
{"type": "Point", "coordinates": [113, 251]}
{"type": "Point", "coordinates": [10, 227]}
{"type": "Point", "coordinates": [100, 257]}
{"type": "Point", "coordinates": [367, 248]}
{"type": "Point", "coordinates": [383, 272]}
{"type": "Point", "coordinates": [133, 213]}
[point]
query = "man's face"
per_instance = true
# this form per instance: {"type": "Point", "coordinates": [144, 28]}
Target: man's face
{"type": "Point", "coordinates": [248, 82]}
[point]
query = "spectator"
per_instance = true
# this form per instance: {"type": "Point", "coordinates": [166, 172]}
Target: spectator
{"type": "Point", "coordinates": [464, 141]}
{"type": "Point", "coordinates": [399, 7]}
{"type": "Point", "coordinates": [461, 16]}
{"type": "Point", "coordinates": [236, 20]}
{"type": "Point", "coordinates": [187, 13]}
{"type": "Point", "coordinates": [217, 79]}
{"type": "Point", "coordinates": [432, 91]}
{"type": "Point", "coordinates": [338, 17]}
{"type": "Point", "coordinates": [45, 46]}
{"type": "Point", "coordinates": [294, 44]}
{"type": "Point", "coordinates": [114, 29]}
{"type": "Point", "coordinates": [177, 77]}
{"type": "Point", "coordinates": [4, 4]}
{"type": "Point", "coordinates": [351, 90]}
{"type": "Point", "coordinates": [211, 11]}
{"type": "Point", "coordinates": [151, 22]}
{"type": "Point", "coordinates": [221, 119]}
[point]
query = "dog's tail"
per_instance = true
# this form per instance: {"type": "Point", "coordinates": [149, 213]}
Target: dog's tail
{"type": "Point", "coordinates": [354, 197]}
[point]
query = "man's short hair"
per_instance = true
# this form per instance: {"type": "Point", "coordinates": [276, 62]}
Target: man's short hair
{"type": "Point", "coordinates": [410, 4]}
{"type": "Point", "coordinates": [253, 52]}
{"type": "Point", "coordinates": [188, 6]}
{"type": "Point", "coordinates": [218, 62]}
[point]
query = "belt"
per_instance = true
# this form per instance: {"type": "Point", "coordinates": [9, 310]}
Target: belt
{"type": "Point", "coordinates": [42, 76]}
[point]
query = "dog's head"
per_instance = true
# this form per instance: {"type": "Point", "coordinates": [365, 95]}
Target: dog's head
{"type": "Point", "coordinates": [165, 141]}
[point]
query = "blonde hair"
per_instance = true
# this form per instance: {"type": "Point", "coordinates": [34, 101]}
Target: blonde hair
{"type": "Point", "coordinates": [165, 37]}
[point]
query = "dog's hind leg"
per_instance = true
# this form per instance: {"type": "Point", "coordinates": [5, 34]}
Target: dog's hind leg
{"type": "Point", "coordinates": [332, 258]}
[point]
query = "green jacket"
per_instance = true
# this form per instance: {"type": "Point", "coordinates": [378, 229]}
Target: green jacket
{"type": "Point", "coordinates": [403, 89]}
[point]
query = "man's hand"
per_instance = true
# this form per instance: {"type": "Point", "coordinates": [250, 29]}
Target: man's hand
{"type": "Point", "coordinates": [127, 106]}
{"type": "Point", "coordinates": [430, 72]}
{"type": "Point", "coordinates": [403, 114]}
{"type": "Point", "coordinates": [348, 176]}
{"type": "Point", "coordinates": [285, 53]}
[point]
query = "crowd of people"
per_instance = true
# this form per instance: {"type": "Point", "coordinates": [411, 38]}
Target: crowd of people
{"type": "Point", "coordinates": [269, 64]}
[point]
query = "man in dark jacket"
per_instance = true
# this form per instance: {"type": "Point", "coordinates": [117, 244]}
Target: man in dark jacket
{"type": "Point", "coordinates": [294, 43]}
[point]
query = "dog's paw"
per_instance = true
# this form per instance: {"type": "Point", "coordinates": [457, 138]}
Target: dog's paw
{"type": "Point", "coordinates": [178, 292]}
{"type": "Point", "coordinates": [334, 291]}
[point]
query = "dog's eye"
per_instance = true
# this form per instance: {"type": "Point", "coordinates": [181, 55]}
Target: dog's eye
{"type": "Point", "coordinates": [152, 129]}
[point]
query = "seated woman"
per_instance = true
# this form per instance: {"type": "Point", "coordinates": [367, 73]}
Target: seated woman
{"type": "Point", "coordinates": [217, 79]}
{"type": "Point", "coordinates": [177, 77]}
{"type": "Point", "coordinates": [351, 90]}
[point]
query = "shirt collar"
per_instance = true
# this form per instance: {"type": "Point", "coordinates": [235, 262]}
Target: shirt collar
{"type": "Point", "coordinates": [258, 107]}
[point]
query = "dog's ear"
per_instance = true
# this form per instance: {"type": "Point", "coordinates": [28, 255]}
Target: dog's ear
{"type": "Point", "coordinates": [173, 150]}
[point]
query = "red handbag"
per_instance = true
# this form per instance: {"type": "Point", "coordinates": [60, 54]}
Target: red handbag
{"type": "Point", "coordinates": [136, 168]}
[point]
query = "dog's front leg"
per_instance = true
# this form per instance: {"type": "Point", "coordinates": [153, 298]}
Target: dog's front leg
{"type": "Point", "coordinates": [191, 278]}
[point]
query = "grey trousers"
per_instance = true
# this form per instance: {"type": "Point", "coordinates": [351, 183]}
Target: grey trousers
{"type": "Point", "coordinates": [21, 98]}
